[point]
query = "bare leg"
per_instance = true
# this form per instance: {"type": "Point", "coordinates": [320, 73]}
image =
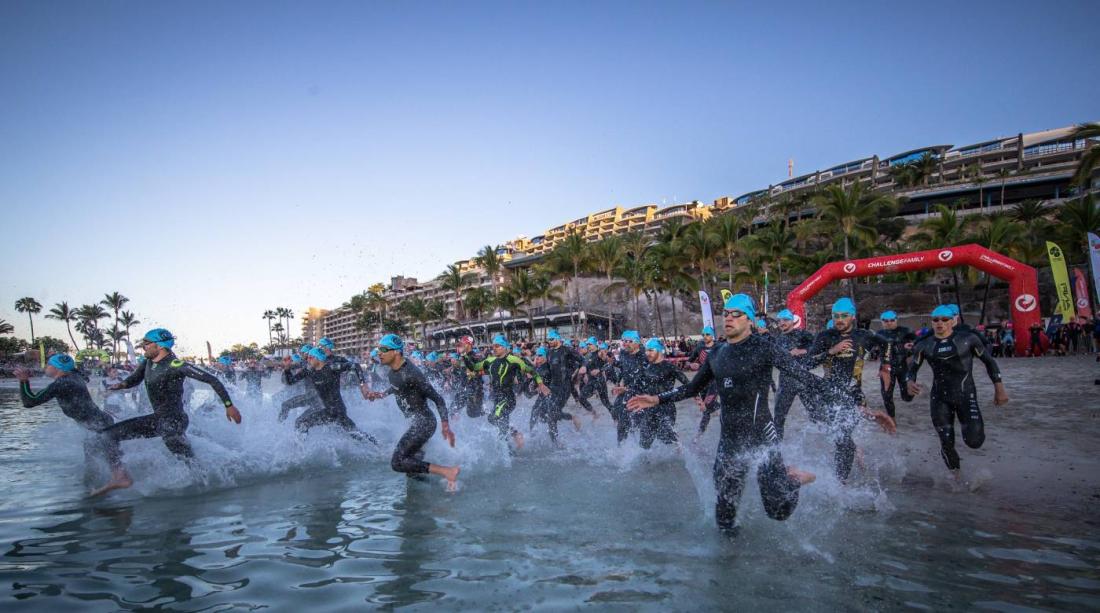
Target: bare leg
{"type": "Point", "coordinates": [450, 473]}
{"type": "Point", "coordinates": [804, 477]}
{"type": "Point", "coordinates": [517, 438]}
{"type": "Point", "coordinates": [120, 479]}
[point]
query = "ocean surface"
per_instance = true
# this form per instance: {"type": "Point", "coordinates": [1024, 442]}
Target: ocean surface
{"type": "Point", "coordinates": [266, 519]}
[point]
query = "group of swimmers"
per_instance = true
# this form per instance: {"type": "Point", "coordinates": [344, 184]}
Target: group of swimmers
{"type": "Point", "coordinates": [734, 376]}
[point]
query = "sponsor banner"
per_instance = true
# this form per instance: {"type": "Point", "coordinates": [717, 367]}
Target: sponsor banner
{"type": "Point", "coordinates": [707, 310]}
{"type": "Point", "coordinates": [1094, 259]}
{"type": "Point", "coordinates": [1081, 290]}
{"type": "Point", "coordinates": [1061, 281]}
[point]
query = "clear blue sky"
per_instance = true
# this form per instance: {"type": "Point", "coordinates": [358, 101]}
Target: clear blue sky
{"type": "Point", "coordinates": [211, 160]}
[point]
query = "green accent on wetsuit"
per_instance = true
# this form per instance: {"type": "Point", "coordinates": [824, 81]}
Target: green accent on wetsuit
{"type": "Point", "coordinates": [500, 368]}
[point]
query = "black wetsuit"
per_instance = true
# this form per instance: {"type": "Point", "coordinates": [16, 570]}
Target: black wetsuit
{"type": "Point", "coordinates": [305, 398]}
{"type": "Point", "coordinates": [743, 373]}
{"type": "Point", "coordinates": [253, 381]}
{"type": "Point", "coordinates": [333, 411]}
{"type": "Point", "coordinates": [628, 373]}
{"type": "Point", "coordinates": [895, 362]}
{"type": "Point", "coordinates": [469, 389]}
{"type": "Point", "coordinates": [789, 388]}
{"type": "Point", "coordinates": [658, 422]}
{"type": "Point", "coordinates": [71, 393]}
{"type": "Point", "coordinates": [412, 391]}
{"type": "Point", "coordinates": [953, 392]}
{"type": "Point", "coordinates": [503, 373]}
{"type": "Point", "coordinates": [843, 374]}
{"type": "Point", "coordinates": [164, 383]}
{"type": "Point", "coordinates": [595, 384]}
{"type": "Point", "coordinates": [710, 398]}
{"type": "Point", "coordinates": [562, 363]}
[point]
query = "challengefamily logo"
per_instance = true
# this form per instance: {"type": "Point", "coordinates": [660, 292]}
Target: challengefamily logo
{"type": "Point", "coordinates": [849, 268]}
{"type": "Point", "coordinates": [1025, 303]}
{"type": "Point", "coordinates": [945, 255]}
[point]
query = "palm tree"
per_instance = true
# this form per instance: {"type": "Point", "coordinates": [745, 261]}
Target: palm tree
{"type": "Point", "coordinates": [944, 230]}
{"type": "Point", "coordinates": [454, 280]}
{"type": "Point", "coordinates": [416, 310]}
{"type": "Point", "coordinates": [128, 321]}
{"type": "Point", "coordinates": [1029, 211]}
{"type": "Point", "coordinates": [269, 315]}
{"type": "Point", "coordinates": [573, 251]}
{"type": "Point", "coordinates": [607, 255]}
{"type": "Point", "coordinates": [726, 230]}
{"type": "Point", "coordinates": [114, 301]}
{"type": "Point", "coordinates": [288, 315]}
{"type": "Point", "coordinates": [89, 315]}
{"type": "Point", "coordinates": [775, 244]}
{"type": "Point", "coordinates": [436, 312]}
{"type": "Point", "coordinates": [490, 260]}
{"type": "Point", "coordinates": [522, 291]}
{"type": "Point", "coordinates": [852, 213]}
{"type": "Point", "coordinates": [545, 290]}
{"type": "Point", "coordinates": [996, 233]}
{"type": "Point", "coordinates": [925, 166]}
{"type": "Point", "coordinates": [278, 329]}
{"type": "Point", "coordinates": [476, 300]}
{"type": "Point", "coordinates": [1086, 131]}
{"type": "Point", "coordinates": [117, 336]}
{"type": "Point", "coordinates": [1076, 218]}
{"type": "Point", "coordinates": [1003, 174]}
{"type": "Point", "coordinates": [6, 328]}
{"type": "Point", "coordinates": [702, 248]}
{"type": "Point", "coordinates": [62, 312]}
{"type": "Point", "coordinates": [31, 307]}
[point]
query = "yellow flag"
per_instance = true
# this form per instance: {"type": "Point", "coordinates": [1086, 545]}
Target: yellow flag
{"type": "Point", "coordinates": [1061, 281]}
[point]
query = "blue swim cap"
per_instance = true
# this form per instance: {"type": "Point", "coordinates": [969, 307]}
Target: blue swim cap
{"type": "Point", "coordinates": [62, 361]}
{"type": "Point", "coordinates": [503, 342]}
{"type": "Point", "coordinates": [541, 351]}
{"type": "Point", "coordinates": [392, 341]}
{"type": "Point", "coordinates": [316, 353]}
{"type": "Point", "coordinates": [708, 330]}
{"type": "Point", "coordinates": [553, 335]}
{"type": "Point", "coordinates": [785, 315]}
{"type": "Point", "coordinates": [888, 315]}
{"type": "Point", "coordinates": [654, 344]}
{"type": "Point", "coordinates": [295, 358]}
{"type": "Point", "coordinates": [305, 348]}
{"type": "Point", "coordinates": [567, 343]}
{"type": "Point", "coordinates": [761, 322]}
{"type": "Point", "coordinates": [604, 346]}
{"type": "Point", "coordinates": [743, 303]}
{"type": "Point", "coordinates": [829, 325]}
{"type": "Point", "coordinates": [327, 343]}
{"type": "Point", "coordinates": [593, 341]}
{"type": "Point", "coordinates": [516, 350]}
{"type": "Point", "coordinates": [225, 360]}
{"type": "Point", "coordinates": [954, 309]}
{"type": "Point", "coordinates": [162, 337]}
{"type": "Point", "coordinates": [944, 310]}
{"type": "Point", "coordinates": [416, 355]}
{"type": "Point", "coordinates": [844, 305]}
{"type": "Point", "coordinates": [632, 336]}
{"type": "Point", "coordinates": [433, 357]}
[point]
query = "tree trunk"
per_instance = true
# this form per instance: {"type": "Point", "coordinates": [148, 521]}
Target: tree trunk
{"type": "Point", "coordinates": [958, 296]}
{"type": "Point", "coordinates": [71, 337]}
{"type": "Point", "coordinates": [729, 261]}
{"type": "Point", "coordinates": [656, 302]}
{"type": "Point", "coordinates": [30, 317]}
{"type": "Point", "coordinates": [675, 324]}
{"type": "Point", "coordinates": [985, 298]}
{"type": "Point", "coordinates": [610, 319]}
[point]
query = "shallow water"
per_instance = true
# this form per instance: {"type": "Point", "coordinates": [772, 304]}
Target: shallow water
{"type": "Point", "coordinates": [267, 520]}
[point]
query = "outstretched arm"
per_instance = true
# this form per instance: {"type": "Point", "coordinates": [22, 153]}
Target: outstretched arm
{"type": "Point", "coordinates": [31, 399]}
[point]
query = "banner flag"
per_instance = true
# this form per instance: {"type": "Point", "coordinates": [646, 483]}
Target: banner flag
{"type": "Point", "coordinates": [1094, 259]}
{"type": "Point", "coordinates": [1061, 281]}
{"type": "Point", "coordinates": [1081, 289]}
{"type": "Point", "coordinates": [708, 312]}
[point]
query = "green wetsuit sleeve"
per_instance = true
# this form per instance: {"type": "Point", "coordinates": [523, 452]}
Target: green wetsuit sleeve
{"type": "Point", "coordinates": [524, 367]}
{"type": "Point", "coordinates": [31, 399]}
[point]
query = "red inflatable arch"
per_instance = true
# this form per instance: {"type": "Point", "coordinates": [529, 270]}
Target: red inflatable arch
{"type": "Point", "coordinates": [1023, 282]}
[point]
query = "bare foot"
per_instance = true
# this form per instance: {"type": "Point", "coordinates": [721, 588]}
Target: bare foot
{"type": "Point", "coordinates": [804, 477]}
{"type": "Point", "coordinates": [885, 422]}
{"type": "Point", "coordinates": [859, 459]}
{"type": "Point", "coordinates": [577, 423]}
{"type": "Point", "coordinates": [120, 480]}
{"type": "Point", "coordinates": [517, 437]}
{"type": "Point", "coordinates": [452, 478]}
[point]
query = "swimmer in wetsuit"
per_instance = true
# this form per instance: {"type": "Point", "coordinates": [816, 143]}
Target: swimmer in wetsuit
{"type": "Point", "coordinates": [341, 364]}
{"type": "Point", "coordinates": [325, 379]}
{"type": "Point", "coordinates": [562, 362]}
{"type": "Point", "coordinates": [71, 393]}
{"type": "Point", "coordinates": [658, 376]}
{"type": "Point", "coordinates": [797, 341]}
{"type": "Point", "coordinates": [469, 390]}
{"type": "Point", "coordinates": [412, 391]}
{"type": "Point", "coordinates": [951, 354]}
{"type": "Point", "coordinates": [841, 350]}
{"type": "Point", "coordinates": [708, 403]}
{"type": "Point", "coordinates": [504, 370]}
{"type": "Point", "coordinates": [164, 375]}
{"type": "Point", "coordinates": [894, 360]}
{"type": "Point", "coordinates": [306, 395]}
{"type": "Point", "coordinates": [742, 367]}
{"type": "Point", "coordinates": [628, 372]}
